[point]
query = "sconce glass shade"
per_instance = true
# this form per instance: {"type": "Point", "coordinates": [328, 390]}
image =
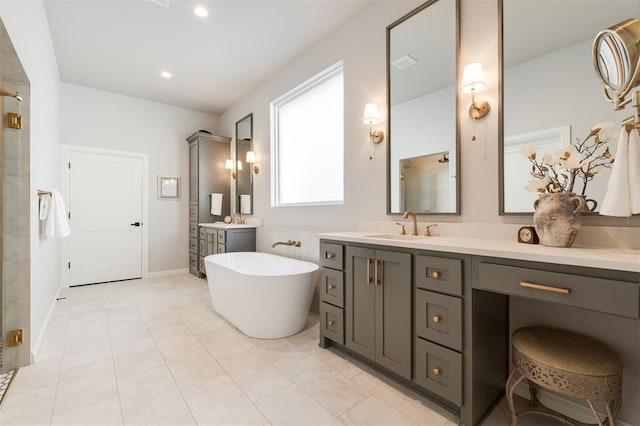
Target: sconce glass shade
{"type": "Point", "coordinates": [370, 114]}
{"type": "Point", "coordinates": [228, 164]}
{"type": "Point", "coordinates": [473, 78]}
{"type": "Point", "coordinates": [251, 157]}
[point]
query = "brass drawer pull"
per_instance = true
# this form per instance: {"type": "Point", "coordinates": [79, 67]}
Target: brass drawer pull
{"type": "Point", "coordinates": [436, 275]}
{"type": "Point", "coordinates": [330, 323]}
{"type": "Point", "coordinates": [330, 255]}
{"type": "Point", "coordinates": [331, 287]}
{"type": "Point", "coordinates": [436, 319]}
{"type": "Point", "coordinates": [369, 280]}
{"type": "Point", "coordinates": [376, 265]}
{"type": "Point", "coordinates": [436, 371]}
{"type": "Point", "coordinates": [527, 284]}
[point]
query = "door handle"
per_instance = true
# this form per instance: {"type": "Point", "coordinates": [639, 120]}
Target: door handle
{"type": "Point", "coordinates": [136, 224]}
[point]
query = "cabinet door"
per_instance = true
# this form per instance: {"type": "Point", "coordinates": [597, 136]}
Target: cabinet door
{"type": "Point", "coordinates": [193, 173]}
{"type": "Point", "coordinates": [360, 302]}
{"type": "Point", "coordinates": [393, 311]}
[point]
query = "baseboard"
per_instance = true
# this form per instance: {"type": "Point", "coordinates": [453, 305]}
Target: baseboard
{"type": "Point", "coordinates": [35, 348]}
{"type": "Point", "coordinates": [564, 406]}
{"type": "Point", "coordinates": [166, 273]}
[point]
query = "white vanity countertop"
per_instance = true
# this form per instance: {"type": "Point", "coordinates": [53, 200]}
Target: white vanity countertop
{"type": "Point", "coordinates": [620, 260]}
{"type": "Point", "coordinates": [222, 225]}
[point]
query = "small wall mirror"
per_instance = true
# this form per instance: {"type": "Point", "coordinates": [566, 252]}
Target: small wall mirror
{"type": "Point", "coordinates": [244, 172]}
{"type": "Point", "coordinates": [423, 168]}
{"type": "Point", "coordinates": [551, 96]}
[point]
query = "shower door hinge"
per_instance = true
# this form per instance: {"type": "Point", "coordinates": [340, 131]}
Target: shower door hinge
{"type": "Point", "coordinates": [69, 165]}
{"type": "Point", "coordinates": [14, 338]}
{"type": "Point", "coordinates": [69, 215]}
{"type": "Point", "coordinates": [14, 121]}
{"type": "Point", "coordinates": [69, 265]}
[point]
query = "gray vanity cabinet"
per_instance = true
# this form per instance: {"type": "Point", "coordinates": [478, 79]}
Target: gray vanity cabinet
{"type": "Point", "coordinates": [331, 293]}
{"type": "Point", "coordinates": [207, 156]}
{"type": "Point", "coordinates": [377, 294]}
{"type": "Point", "coordinates": [438, 310]}
{"type": "Point", "coordinates": [219, 240]}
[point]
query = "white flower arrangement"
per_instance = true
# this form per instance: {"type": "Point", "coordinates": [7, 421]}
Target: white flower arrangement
{"type": "Point", "coordinates": [558, 171]}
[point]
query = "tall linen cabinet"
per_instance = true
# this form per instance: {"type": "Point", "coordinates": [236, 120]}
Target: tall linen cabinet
{"type": "Point", "coordinates": [207, 175]}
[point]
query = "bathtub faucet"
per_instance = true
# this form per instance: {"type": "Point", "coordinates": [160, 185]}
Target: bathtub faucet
{"type": "Point", "coordinates": [286, 243]}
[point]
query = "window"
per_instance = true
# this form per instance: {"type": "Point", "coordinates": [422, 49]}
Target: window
{"type": "Point", "coordinates": [307, 149]}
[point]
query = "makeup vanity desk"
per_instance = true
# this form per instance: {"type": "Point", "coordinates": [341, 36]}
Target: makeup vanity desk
{"type": "Point", "coordinates": [434, 312]}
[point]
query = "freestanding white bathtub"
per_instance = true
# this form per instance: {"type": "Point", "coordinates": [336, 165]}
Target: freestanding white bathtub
{"type": "Point", "coordinates": [264, 295]}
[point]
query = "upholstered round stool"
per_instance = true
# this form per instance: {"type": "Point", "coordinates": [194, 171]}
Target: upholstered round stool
{"type": "Point", "coordinates": [567, 363]}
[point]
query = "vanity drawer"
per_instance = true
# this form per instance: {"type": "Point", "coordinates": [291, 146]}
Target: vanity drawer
{"type": "Point", "coordinates": [611, 296]}
{"type": "Point", "coordinates": [438, 274]}
{"type": "Point", "coordinates": [193, 230]}
{"type": "Point", "coordinates": [193, 263]}
{"type": "Point", "coordinates": [222, 237]}
{"type": "Point", "coordinates": [332, 322]}
{"type": "Point", "coordinates": [193, 245]}
{"type": "Point", "coordinates": [439, 370]}
{"type": "Point", "coordinates": [193, 213]}
{"type": "Point", "coordinates": [439, 318]}
{"type": "Point", "coordinates": [331, 256]}
{"type": "Point", "coordinates": [332, 287]}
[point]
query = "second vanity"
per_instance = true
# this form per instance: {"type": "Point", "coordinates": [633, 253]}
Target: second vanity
{"type": "Point", "coordinates": [220, 237]}
{"type": "Point", "coordinates": [433, 312]}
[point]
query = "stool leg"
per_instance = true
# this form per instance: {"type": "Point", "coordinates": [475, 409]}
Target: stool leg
{"type": "Point", "coordinates": [595, 413]}
{"type": "Point", "coordinates": [510, 387]}
{"type": "Point", "coordinates": [612, 409]}
{"type": "Point", "coordinates": [533, 402]}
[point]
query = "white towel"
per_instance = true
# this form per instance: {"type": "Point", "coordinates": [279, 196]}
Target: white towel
{"type": "Point", "coordinates": [634, 171]}
{"type": "Point", "coordinates": [616, 198]}
{"type": "Point", "coordinates": [44, 206]}
{"type": "Point", "coordinates": [56, 223]}
{"type": "Point", "coordinates": [216, 204]}
{"type": "Point", "coordinates": [245, 204]}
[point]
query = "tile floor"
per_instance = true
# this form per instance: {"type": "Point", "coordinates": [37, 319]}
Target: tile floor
{"type": "Point", "coordinates": [152, 352]}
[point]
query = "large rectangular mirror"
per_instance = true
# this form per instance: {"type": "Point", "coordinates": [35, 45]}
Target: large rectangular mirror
{"type": "Point", "coordinates": [244, 172]}
{"type": "Point", "coordinates": [551, 96]}
{"type": "Point", "coordinates": [423, 166]}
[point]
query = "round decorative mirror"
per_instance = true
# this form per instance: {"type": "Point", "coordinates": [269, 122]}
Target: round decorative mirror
{"type": "Point", "coordinates": [616, 58]}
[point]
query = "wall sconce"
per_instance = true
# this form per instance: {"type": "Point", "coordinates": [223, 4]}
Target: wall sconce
{"type": "Point", "coordinates": [472, 82]}
{"type": "Point", "coordinates": [229, 166]}
{"type": "Point", "coordinates": [370, 117]}
{"type": "Point", "coordinates": [251, 159]}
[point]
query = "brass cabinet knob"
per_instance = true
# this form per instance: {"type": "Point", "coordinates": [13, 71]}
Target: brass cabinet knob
{"type": "Point", "coordinates": [330, 255]}
{"type": "Point", "coordinates": [436, 319]}
{"type": "Point", "coordinates": [436, 275]}
{"type": "Point", "coordinates": [436, 371]}
{"type": "Point", "coordinates": [331, 286]}
{"type": "Point", "coordinates": [331, 322]}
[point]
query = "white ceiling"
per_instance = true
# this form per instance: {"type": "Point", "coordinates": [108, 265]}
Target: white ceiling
{"type": "Point", "coordinates": [121, 46]}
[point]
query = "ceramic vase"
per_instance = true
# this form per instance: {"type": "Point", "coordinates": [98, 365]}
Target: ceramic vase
{"type": "Point", "coordinates": [557, 218]}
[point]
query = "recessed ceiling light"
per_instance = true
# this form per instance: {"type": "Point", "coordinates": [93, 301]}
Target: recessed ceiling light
{"type": "Point", "coordinates": [165, 74]}
{"type": "Point", "coordinates": [201, 11]}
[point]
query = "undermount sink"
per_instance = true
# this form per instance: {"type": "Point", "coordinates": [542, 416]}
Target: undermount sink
{"type": "Point", "coordinates": [398, 237]}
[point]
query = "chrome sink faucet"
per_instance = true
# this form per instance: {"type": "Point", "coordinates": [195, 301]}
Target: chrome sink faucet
{"type": "Point", "coordinates": [412, 215]}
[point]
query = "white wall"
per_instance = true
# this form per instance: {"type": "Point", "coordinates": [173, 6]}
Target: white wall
{"type": "Point", "coordinates": [361, 44]}
{"type": "Point", "coordinates": [28, 29]}
{"type": "Point", "coordinates": [99, 119]}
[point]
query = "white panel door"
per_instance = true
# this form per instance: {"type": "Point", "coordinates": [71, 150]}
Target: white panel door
{"type": "Point", "coordinates": [105, 203]}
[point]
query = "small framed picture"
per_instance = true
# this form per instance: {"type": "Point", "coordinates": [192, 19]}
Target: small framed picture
{"type": "Point", "coordinates": [168, 188]}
